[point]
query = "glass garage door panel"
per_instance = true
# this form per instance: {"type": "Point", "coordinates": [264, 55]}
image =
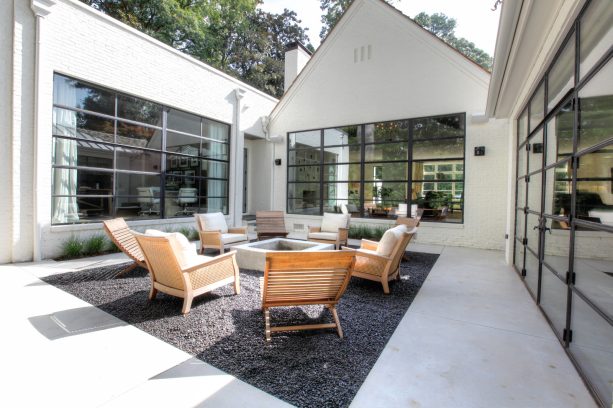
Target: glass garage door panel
{"type": "Point", "coordinates": [593, 267]}
{"type": "Point", "coordinates": [555, 247]}
{"type": "Point", "coordinates": [532, 271]}
{"type": "Point", "coordinates": [519, 255]}
{"type": "Point", "coordinates": [592, 347]}
{"type": "Point", "coordinates": [554, 294]}
{"type": "Point", "coordinates": [532, 232]}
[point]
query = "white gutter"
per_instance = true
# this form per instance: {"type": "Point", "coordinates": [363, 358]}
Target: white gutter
{"type": "Point", "coordinates": [509, 17]}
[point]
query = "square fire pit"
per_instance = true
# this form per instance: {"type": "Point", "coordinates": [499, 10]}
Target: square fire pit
{"type": "Point", "coordinates": [253, 255]}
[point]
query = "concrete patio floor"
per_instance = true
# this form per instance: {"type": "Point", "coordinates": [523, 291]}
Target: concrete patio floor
{"type": "Point", "coordinates": [472, 338]}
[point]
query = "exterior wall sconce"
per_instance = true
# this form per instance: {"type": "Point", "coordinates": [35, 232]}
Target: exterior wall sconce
{"type": "Point", "coordinates": [278, 162]}
{"type": "Point", "coordinates": [479, 150]}
{"type": "Point", "coordinates": [537, 148]}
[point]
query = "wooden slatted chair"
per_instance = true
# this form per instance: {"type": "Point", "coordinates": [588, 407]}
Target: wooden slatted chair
{"type": "Point", "coordinates": [380, 261]}
{"type": "Point", "coordinates": [175, 268]}
{"type": "Point", "coordinates": [214, 232]}
{"type": "Point", "coordinates": [119, 232]}
{"type": "Point", "coordinates": [334, 229]}
{"type": "Point", "coordinates": [305, 278]}
{"type": "Point", "coordinates": [270, 224]}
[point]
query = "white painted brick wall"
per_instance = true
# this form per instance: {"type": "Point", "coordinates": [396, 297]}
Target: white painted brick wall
{"type": "Point", "coordinates": [410, 74]}
{"type": "Point", "coordinates": [6, 39]}
{"type": "Point", "coordinates": [78, 41]}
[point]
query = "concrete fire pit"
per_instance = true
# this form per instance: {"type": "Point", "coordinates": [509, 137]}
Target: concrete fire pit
{"type": "Point", "coordinates": [253, 255]}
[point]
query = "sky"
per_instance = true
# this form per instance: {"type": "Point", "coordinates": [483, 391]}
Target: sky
{"type": "Point", "coordinates": [475, 20]}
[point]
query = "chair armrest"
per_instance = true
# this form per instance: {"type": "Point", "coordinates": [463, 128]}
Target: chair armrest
{"type": "Point", "coordinates": [212, 261]}
{"type": "Point", "coordinates": [368, 244]}
{"type": "Point", "coordinates": [314, 229]}
{"type": "Point", "coordinates": [210, 237]}
{"type": "Point", "coordinates": [376, 257]}
{"type": "Point", "coordinates": [213, 270]}
{"type": "Point", "coordinates": [238, 230]}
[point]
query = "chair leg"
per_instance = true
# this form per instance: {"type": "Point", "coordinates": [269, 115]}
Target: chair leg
{"type": "Point", "coordinates": [267, 324]}
{"type": "Point", "coordinates": [386, 286]}
{"type": "Point", "coordinates": [237, 285]}
{"type": "Point", "coordinates": [336, 321]}
{"type": "Point", "coordinates": [128, 269]}
{"type": "Point", "coordinates": [153, 292]}
{"type": "Point", "coordinates": [187, 304]}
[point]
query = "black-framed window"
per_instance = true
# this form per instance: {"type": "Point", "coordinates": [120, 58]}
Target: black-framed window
{"type": "Point", "coordinates": [380, 170]}
{"type": "Point", "coordinates": [564, 201]}
{"type": "Point", "coordinates": [118, 155]}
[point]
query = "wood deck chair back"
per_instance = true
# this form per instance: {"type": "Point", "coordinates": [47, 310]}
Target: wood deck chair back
{"type": "Point", "coordinates": [305, 278]}
{"type": "Point", "coordinates": [270, 224]}
{"type": "Point", "coordinates": [119, 232]}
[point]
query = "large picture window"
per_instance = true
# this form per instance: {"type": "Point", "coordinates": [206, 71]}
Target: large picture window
{"type": "Point", "coordinates": [379, 170]}
{"type": "Point", "coordinates": [118, 155]}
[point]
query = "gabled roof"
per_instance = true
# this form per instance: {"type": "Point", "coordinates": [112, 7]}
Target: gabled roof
{"type": "Point", "coordinates": [343, 21]}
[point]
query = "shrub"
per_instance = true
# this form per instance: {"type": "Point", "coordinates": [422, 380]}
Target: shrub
{"type": "Point", "coordinates": [366, 232]}
{"type": "Point", "coordinates": [189, 232]}
{"type": "Point", "coordinates": [72, 247]}
{"type": "Point", "coordinates": [94, 245]}
{"type": "Point", "coordinates": [112, 247]}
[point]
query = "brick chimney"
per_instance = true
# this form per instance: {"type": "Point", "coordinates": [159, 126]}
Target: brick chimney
{"type": "Point", "coordinates": [296, 57]}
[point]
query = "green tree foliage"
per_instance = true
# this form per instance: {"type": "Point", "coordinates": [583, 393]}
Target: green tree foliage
{"type": "Point", "coordinates": [258, 54]}
{"type": "Point", "coordinates": [444, 28]}
{"type": "Point", "coordinates": [231, 35]}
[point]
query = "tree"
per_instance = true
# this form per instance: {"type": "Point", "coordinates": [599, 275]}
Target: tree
{"type": "Point", "coordinates": [231, 35]}
{"type": "Point", "coordinates": [258, 54]}
{"type": "Point", "coordinates": [443, 27]}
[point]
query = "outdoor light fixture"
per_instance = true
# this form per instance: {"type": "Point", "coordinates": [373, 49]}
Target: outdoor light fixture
{"type": "Point", "coordinates": [479, 150]}
{"type": "Point", "coordinates": [278, 162]}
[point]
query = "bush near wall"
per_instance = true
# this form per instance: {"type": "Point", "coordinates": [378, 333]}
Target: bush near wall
{"type": "Point", "coordinates": [367, 232]}
{"type": "Point", "coordinates": [98, 244]}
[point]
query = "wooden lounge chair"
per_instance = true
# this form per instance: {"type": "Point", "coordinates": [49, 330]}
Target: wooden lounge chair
{"type": "Point", "coordinates": [122, 236]}
{"type": "Point", "coordinates": [334, 229]}
{"type": "Point", "coordinates": [409, 222]}
{"type": "Point", "coordinates": [181, 272]}
{"type": "Point", "coordinates": [214, 232]}
{"type": "Point", "coordinates": [270, 224]}
{"type": "Point", "coordinates": [305, 278]}
{"type": "Point", "coordinates": [380, 261]}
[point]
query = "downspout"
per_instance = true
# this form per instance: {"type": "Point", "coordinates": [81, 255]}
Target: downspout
{"type": "Point", "coordinates": [41, 8]}
{"type": "Point", "coordinates": [237, 216]}
{"type": "Point", "coordinates": [265, 127]}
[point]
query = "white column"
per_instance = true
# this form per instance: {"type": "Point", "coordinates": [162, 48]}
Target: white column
{"type": "Point", "coordinates": [236, 162]}
{"type": "Point", "coordinates": [43, 82]}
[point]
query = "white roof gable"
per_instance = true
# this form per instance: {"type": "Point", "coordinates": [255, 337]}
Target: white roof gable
{"type": "Point", "coordinates": [377, 64]}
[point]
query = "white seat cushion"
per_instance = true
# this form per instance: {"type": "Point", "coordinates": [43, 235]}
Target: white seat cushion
{"type": "Point", "coordinates": [187, 252]}
{"type": "Point", "coordinates": [606, 217]}
{"type": "Point", "coordinates": [232, 238]}
{"type": "Point", "coordinates": [390, 239]}
{"type": "Point", "coordinates": [197, 260]}
{"type": "Point", "coordinates": [214, 222]}
{"type": "Point", "coordinates": [331, 222]}
{"type": "Point", "coordinates": [329, 236]}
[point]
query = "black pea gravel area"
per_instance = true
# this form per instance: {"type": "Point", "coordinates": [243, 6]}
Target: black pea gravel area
{"type": "Point", "coordinates": [307, 368]}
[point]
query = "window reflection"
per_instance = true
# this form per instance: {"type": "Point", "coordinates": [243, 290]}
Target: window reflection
{"type": "Point", "coordinates": [537, 107]}
{"type": "Point", "coordinates": [129, 145]}
{"type": "Point", "coordinates": [596, 109]}
{"type": "Point", "coordinates": [377, 164]}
